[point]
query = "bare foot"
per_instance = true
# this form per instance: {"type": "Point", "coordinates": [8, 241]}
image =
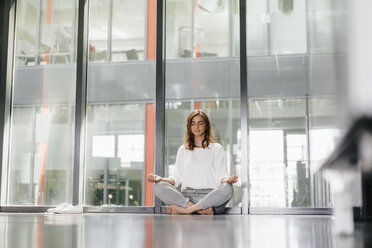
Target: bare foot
{"type": "Point", "coordinates": [169, 210]}
{"type": "Point", "coordinates": [208, 211]}
{"type": "Point", "coordinates": [173, 209]}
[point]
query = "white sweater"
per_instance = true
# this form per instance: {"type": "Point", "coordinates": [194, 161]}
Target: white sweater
{"type": "Point", "coordinates": [201, 168]}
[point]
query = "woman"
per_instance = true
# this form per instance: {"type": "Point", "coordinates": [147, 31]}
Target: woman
{"type": "Point", "coordinates": [201, 169]}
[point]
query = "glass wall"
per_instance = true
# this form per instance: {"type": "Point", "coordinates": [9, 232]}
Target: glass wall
{"type": "Point", "coordinates": [42, 129]}
{"type": "Point", "coordinates": [278, 155]}
{"type": "Point", "coordinates": [276, 27]}
{"type": "Point", "coordinates": [118, 32]}
{"type": "Point", "coordinates": [115, 154]}
{"type": "Point", "coordinates": [293, 107]}
{"type": "Point", "coordinates": [328, 90]}
{"type": "Point", "coordinates": [46, 32]}
{"type": "Point", "coordinates": [202, 28]}
{"type": "Point", "coordinates": [295, 71]}
{"type": "Point", "coordinates": [120, 95]}
{"type": "Point", "coordinates": [195, 30]}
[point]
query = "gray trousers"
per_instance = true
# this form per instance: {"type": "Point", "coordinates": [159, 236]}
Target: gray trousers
{"type": "Point", "coordinates": [216, 198]}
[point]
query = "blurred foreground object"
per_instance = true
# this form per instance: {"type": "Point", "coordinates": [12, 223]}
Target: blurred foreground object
{"type": "Point", "coordinates": [342, 169]}
{"type": "Point", "coordinates": [350, 164]}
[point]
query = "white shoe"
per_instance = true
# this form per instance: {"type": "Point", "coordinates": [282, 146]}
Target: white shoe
{"type": "Point", "coordinates": [70, 210]}
{"type": "Point", "coordinates": [58, 207]}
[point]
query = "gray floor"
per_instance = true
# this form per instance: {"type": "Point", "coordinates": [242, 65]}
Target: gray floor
{"type": "Point", "coordinates": [147, 230]}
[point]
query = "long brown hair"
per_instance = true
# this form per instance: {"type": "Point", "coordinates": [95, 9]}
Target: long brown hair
{"type": "Point", "coordinates": [189, 140]}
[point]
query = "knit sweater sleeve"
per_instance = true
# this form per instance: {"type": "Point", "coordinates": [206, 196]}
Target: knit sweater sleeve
{"type": "Point", "coordinates": [177, 175]}
{"type": "Point", "coordinates": [219, 163]}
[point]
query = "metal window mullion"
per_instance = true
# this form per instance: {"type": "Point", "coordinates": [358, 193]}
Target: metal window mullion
{"type": "Point", "coordinates": [231, 31]}
{"type": "Point", "coordinates": [80, 104]}
{"type": "Point", "coordinates": [160, 94]}
{"type": "Point", "coordinates": [244, 106]}
{"type": "Point", "coordinates": [106, 165]}
{"type": "Point", "coordinates": [285, 151]}
{"type": "Point", "coordinates": [308, 101]}
{"type": "Point", "coordinates": [268, 27]}
{"type": "Point", "coordinates": [69, 173]}
{"type": "Point", "coordinates": [109, 32]}
{"type": "Point", "coordinates": [231, 138]}
{"type": "Point", "coordinates": [8, 12]}
{"type": "Point", "coordinates": [192, 28]}
{"type": "Point", "coordinates": [73, 32]}
{"type": "Point", "coordinates": [32, 160]}
{"type": "Point", "coordinates": [38, 33]}
{"type": "Point", "coordinates": [144, 153]}
{"type": "Point", "coordinates": [145, 44]}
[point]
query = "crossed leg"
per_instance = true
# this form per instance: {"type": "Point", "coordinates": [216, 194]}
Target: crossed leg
{"type": "Point", "coordinates": [179, 204]}
{"type": "Point", "coordinates": [213, 203]}
{"type": "Point", "coordinates": [189, 209]}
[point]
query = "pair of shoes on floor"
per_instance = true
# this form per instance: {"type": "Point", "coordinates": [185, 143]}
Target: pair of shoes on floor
{"type": "Point", "coordinates": [66, 208]}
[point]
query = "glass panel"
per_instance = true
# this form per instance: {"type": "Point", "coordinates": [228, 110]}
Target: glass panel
{"type": "Point", "coordinates": [327, 20]}
{"type": "Point", "coordinates": [287, 24]}
{"type": "Point", "coordinates": [27, 13]}
{"type": "Point", "coordinates": [128, 30]}
{"type": "Point", "coordinates": [46, 32]}
{"type": "Point", "coordinates": [257, 28]}
{"type": "Point", "coordinates": [179, 29]}
{"type": "Point", "coordinates": [324, 135]}
{"type": "Point", "coordinates": [203, 84]}
{"type": "Point", "coordinates": [211, 32]}
{"type": "Point", "coordinates": [118, 30]}
{"type": "Point", "coordinates": [98, 35]}
{"type": "Point", "coordinates": [120, 108]}
{"type": "Point", "coordinates": [279, 171]}
{"type": "Point", "coordinates": [115, 154]}
{"type": "Point", "coordinates": [328, 75]}
{"type": "Point", "coordinates": [268, 25]}
{"type": "Point", "coordinates": [57, 32]}
{"type": "Point", "coordinates": [42, 129]}
{"type": "Point", "coordinates": [235, 29]}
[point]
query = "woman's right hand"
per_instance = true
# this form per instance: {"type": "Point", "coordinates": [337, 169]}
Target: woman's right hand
{"type": "Point", "coordinates": [153, 178]}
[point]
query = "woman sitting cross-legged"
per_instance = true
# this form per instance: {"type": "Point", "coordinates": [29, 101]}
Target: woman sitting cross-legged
{"type": "Point", "coordinates": [201, 170]}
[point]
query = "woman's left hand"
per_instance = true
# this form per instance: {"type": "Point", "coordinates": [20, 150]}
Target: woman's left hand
{"type": "Point", "coordinates": [232, 179]}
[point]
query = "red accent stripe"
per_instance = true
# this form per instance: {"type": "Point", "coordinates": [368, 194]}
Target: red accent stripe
{"type": "Point", "coordinates": [197, 51]}
{"type": "Point", "coordinates": [148, 232]}
{"type": "Point", "coordinates": [42, 173]}
{"type": "Point", "coordinates": [46, 57]}
{"type": "Point", "coordinates": [49, 12]}
{"type": "Point", "coordinates": [149, 158]}
{"type": "Point", "coordinates": [151, 29]}
{"type": "Point", "coordinates": [45, 110]}
{"type": "Point", "coordinates": [196, 105]}
{"type": "Point", "coordinates": [40, 233]}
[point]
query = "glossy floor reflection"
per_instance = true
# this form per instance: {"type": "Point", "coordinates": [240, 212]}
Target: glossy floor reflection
{"type": "Point", "coordinates": [145, 230]}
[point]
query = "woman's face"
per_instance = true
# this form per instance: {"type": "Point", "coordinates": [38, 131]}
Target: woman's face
{"type": "Point", "coordinates": [198, 126]}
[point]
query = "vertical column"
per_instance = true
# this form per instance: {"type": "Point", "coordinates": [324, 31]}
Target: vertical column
{"type": "Point", "coordinates": [244, 106]}
{"type": "Point", "coordinates": [151, 29]}
{"type": "Point", "coordinates": [81, 85]}
{"type": "Point", "coordinates": [38, 26]}
{"type": "Point", "coordinates": [160, 94]}
{"type": "Point", "coordinates": [7, 29]}
{"type": "Point", "coordinates": [73, 31]}
{"type": "Point", "coordinates": [49, 13]}
{"type": "Point", "coordinates": [109, 32]}
{"type": "Point", "coordinates": [149, 156]}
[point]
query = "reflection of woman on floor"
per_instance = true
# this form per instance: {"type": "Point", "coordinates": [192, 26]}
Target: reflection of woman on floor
{"type": "Point", "coordinates": [201, 169]}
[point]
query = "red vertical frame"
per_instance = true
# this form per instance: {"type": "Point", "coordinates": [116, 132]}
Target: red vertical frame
{"type": "Point", "coordinates": [150, 152]}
